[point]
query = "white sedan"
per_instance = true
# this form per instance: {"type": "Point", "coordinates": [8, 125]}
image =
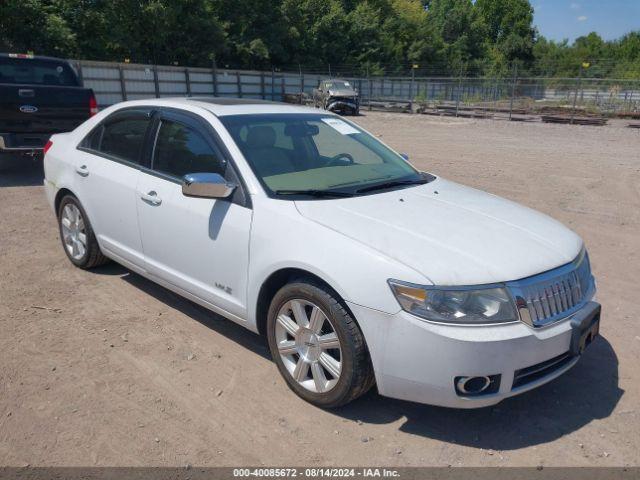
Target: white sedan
{"type": "Point", "coordinates": [301, 226]}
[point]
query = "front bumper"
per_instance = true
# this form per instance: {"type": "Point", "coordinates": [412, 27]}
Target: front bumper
{"type": "Point", "coordinates": [342, 105]}
{"type": "Point", "coordinates": [418, 361]}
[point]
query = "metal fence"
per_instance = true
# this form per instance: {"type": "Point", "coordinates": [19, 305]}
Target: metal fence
{"type": "Point", "coordinates": [515, 98]}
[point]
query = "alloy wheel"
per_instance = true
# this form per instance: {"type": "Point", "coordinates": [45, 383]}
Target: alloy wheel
{"type": "Point", "coordinates": [308, 345]}
{"type": "Point", "coordinates": [74, 232]}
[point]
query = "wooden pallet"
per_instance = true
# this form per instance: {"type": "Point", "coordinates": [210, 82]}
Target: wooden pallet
{"type": "Point", "coordinates": [577, 120]}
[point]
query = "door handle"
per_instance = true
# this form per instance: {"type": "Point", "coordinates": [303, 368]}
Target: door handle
{"type": "Point", "coordinates": [83, 171]}
{"type": "Point", "coordinates": [151, 197]}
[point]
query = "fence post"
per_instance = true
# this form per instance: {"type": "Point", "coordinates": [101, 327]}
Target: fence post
{"type": "Point", "coordinates": [80, 75]}
{"type": "Point", "coordinates": [262, 85]}
{"type": "Point", "coordinates": [458, 91]}
{"type": "Point", "coordinates": [575, 97]}
{"type": "Point", "coordinates": [239, 83]}
{"type": "Point", "coordinates": [370, 89]}
{"type": "Point", "coordinates": [214, 76]}
{"type": "Point", "coordinates": [188, 81]}
{"type": "Point", "coordinates": [283, 86]}
{"type": "Point", "coordinates": [273, 79]}
{"type": "Point", "coordinates": [413, 79]}
{"type": "Point", "coordinates": [301, 83]}
{"type": "Point", "coordinates": [156, 83]}
{"type": "Point", "coordinates": [513, 87]}
{"type": "Point", "coordinates": [123, 87]}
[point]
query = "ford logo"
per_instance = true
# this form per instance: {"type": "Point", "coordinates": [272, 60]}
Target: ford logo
{"type": "Point", "coordinates": [28, 109]}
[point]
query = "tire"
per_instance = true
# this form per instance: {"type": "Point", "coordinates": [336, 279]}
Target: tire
{"type": "Point", "coordinates": [328, 376]}
{"type": "Point", "coordinates": [85, 253]}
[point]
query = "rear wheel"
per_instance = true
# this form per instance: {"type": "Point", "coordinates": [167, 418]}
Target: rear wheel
{"type": "Point", "coordinates": [77, 236]}
{"type": "Point", "coordinates": [318, 347]}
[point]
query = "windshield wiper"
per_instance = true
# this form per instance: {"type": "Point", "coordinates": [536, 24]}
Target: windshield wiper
{"type": "Point", "coordinates": [315, 193]}
{"type": "Point", "coordinates": [393, 183]}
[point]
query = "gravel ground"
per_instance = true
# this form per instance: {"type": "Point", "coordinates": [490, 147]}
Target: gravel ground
{"type": "Point", "coordinates": [105, 368]}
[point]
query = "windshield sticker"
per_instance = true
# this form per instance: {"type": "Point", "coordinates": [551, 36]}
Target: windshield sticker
{"type": "Point", "coordinates": [342, 127]}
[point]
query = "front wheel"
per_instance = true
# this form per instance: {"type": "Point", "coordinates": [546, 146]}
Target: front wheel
{"type": "Point", "coordinates": [317, 346]}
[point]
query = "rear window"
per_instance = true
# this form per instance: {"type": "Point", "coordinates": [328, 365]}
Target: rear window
{"type": "Point", "coordinates": [36, 72]}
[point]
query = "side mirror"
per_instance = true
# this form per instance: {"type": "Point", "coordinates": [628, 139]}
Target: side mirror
{"type": "Point", "coordinates": [405, 156]}
{"type": "Point", "coordinates": [206, 185]}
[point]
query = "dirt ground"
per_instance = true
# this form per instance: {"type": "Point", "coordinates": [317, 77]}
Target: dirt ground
{"type": "Point", "coordinates": [105, 368]}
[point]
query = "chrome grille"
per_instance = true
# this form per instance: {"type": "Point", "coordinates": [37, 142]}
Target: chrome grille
{"type": "Point", "coordinates": [551, 296]}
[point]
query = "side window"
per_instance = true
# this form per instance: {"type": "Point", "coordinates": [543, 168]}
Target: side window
{"type": "Point", "coordinates": [122, 136]}
{"type": "Point", "coordinates": [180, 150]}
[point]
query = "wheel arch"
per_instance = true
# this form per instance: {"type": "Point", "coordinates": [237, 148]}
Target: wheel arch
{"type": "Point", "coordinates": [279, 278]}
{"type": "Point", "coordinates": [60, 194]}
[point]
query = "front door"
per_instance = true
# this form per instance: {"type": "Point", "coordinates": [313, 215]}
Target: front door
{"type": "Point", "coordinates": [200, 245]}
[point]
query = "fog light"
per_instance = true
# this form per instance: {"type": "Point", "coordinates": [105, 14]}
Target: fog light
{"type": "Point", "coordinates": [477, 386]}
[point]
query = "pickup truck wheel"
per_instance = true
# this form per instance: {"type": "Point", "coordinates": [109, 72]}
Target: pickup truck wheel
{"type": "Point", "coordinates": [77, 236]}
{"type": "Point", "coordinates": [317, 346]}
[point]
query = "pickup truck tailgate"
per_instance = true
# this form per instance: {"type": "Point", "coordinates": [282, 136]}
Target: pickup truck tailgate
{"type": "Point", "coordinates": [42, 109]}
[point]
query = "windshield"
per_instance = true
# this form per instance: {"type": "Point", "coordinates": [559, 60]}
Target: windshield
{"type": "Point", "coordinates": [339, 85]}
{"type": "Point", "coordinates": [315, 152]}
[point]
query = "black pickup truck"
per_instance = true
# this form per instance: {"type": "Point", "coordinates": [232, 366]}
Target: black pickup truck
{"type": "Point", "coordinates": [39, 96]}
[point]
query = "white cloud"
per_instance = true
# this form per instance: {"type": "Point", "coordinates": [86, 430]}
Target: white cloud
{"type": "Point", "coordinates": [575, 6]}
{"type": "Point", "coordinates": [582, 18]}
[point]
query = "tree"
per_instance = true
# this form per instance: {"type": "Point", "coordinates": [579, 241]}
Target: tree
{"type": "Point", "coordinates": [509, 32]}
{"type": "Point", "coordinates": [461, 31]}
{"type": "Point", "coordinates": [35, 26]}
{"type": "Point", "coordinates": [481, 37]}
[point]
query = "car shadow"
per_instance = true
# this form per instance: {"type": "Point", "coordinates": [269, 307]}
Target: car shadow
{"type": "Point", "coordinates": [587, 392]}
{"type": "Point", "coordinates": [20, 171]}
{"type": "Point", "coordinates": [209, 319]}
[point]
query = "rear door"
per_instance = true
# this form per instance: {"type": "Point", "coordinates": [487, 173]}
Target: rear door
{"type": "Point", "coordinates": [108, 166]}
{"type": "Point", "coordinates": [40, 96]}
{"type": "Point", "coordinates": [200, 245]}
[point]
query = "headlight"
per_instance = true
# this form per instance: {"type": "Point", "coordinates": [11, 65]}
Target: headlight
{"type": "Point", "coordinates": [466, 305]}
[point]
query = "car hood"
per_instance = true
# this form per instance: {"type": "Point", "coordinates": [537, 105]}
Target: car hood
{"type": "Point", "coordinates": [451, 234]}
{"type": "Point", "coordinates": [344, 92]}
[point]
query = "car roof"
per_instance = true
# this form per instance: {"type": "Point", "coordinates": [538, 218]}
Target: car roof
{"type": "Point", "coordinates": [222, 106]}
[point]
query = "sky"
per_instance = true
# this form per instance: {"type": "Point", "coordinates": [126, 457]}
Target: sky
{"type": "Point", "coordinates": [560, 19]}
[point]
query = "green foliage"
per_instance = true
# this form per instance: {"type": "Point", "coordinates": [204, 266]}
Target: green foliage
{"type": "Point", "coordinates": [443, 37]}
